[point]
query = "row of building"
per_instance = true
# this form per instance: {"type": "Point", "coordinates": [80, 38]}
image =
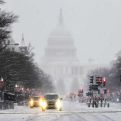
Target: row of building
{"type": "Point", "coordinates": [13, 46]}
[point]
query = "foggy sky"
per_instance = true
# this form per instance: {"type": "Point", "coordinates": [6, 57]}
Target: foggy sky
{"type": "Point", "coordinates": [95, 25]}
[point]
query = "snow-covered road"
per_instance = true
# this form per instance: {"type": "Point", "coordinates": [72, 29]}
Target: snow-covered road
{"type": "Point", "coordinates": [72, 111]}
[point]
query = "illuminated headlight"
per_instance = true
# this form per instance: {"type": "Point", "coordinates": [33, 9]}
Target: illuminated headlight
{"type": "Point", "coordinates": [117, 99]}
{"type": "Point", "coordinates": [43, 104]}
{"type": "Point", "coordinates": [31, 102]}
{"type": "Point", "coordinates": [58, 104]}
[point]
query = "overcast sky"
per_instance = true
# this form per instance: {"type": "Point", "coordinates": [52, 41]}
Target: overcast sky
{"type": "Point", "coordinates": [95, 25]}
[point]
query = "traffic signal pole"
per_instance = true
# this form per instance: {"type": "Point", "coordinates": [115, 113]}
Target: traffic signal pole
{"type": "Point", "coordinates": [97, 91]}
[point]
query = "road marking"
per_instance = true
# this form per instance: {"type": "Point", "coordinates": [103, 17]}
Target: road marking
{"type": "Point", "coordinates": [107, 117]}
{"type": "Point", "coordinates": [61, 112]}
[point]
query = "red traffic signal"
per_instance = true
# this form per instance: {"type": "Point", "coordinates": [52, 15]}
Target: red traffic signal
{"type": "Point", "coordinates": [104, 81]}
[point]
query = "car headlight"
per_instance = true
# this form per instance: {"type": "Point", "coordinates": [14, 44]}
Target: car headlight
{"type": "Point", "coordinates": [31, 102]}
{"type": "Point", "coordinates": [43, 103]}
{"type": "Point", "coordinates": [58, 104]}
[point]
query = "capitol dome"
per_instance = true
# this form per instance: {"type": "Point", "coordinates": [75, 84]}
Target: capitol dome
{"type": "Point", "coordinates": [60, 59]}
{"type": "Point", "coordinates": [60, 44]}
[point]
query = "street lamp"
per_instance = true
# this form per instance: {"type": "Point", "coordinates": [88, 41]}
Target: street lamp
{"type": "Point", "coordinates": [16, 86]}
{"type": "Point", "coordinates": [1, 83]}
{"type": "Point", "coordinates": [2, 79]}
{"type": "Point", "coordinates": [1, 87]}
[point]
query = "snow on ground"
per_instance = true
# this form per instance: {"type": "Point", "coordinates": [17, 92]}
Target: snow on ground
{"type": "Point", "coordinates": [82, 107]}
{"type": "Point", "coordinates": [72, 111]}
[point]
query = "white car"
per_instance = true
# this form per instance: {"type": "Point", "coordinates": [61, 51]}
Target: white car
{"type": "Point", "coordinates": [53, 101]}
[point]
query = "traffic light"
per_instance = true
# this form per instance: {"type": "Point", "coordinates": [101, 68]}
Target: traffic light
{"type": "Point", "coordinates": [91, 79]}
{"type": "Point", "coordinates": [90, 87]}
{"type": "Point", "coordinates": [120, 78]}
{"type": "Point", "coordinates": [104, 81]}
{"type": "Point", "coordinates": [99, 80]}
{"type": "Point", "coordinates": [105, 91]}
{"type": "Point", "coordinates": [95, 87]}
{"type": "Point", "coordinates": [89, 94]}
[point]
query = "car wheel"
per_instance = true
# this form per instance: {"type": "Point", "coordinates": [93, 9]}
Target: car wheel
{"type": "Point", "coordinates": [60, 109]}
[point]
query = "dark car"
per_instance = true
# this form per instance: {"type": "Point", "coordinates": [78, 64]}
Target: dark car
{"type": "Point", "coordinates": [53, 101]}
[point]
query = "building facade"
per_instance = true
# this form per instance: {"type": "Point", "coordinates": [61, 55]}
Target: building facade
{"type": "Point", "coordinates": [60, 59]}
{"type": "Point", "coordinates": [11, 45]}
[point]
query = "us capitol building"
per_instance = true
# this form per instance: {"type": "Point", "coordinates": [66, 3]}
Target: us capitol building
{"type": "Point", "coordinates": [60, 59]}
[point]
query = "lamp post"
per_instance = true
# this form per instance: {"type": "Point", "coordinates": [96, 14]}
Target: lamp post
{"type": "Point", "coordinates": [2, 84]}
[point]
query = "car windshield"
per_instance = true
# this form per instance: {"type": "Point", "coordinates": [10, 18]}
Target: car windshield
{"type": "Point", "coordinates": [50, 97]}
{"type": "Point", "coordinates": [36, 98]}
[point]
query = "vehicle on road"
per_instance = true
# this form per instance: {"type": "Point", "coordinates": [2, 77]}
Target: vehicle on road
{"type": "Point", "coordinates": [34, 101]}
{"type": "Point", "coordinates": [53, 101]}
{"type": "Point", "coordinates": [38, 101]}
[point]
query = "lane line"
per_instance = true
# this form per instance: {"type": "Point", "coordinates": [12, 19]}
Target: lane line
{"type": "Point", "coordinates": [64, 112]}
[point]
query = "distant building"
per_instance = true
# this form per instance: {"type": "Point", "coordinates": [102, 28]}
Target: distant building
{"type": "Point", "coordinates": [23, 48]}
{"type": "Point", "coordinates": [60, 59]}
{"type": "Point", "coordinates": [13, 46]}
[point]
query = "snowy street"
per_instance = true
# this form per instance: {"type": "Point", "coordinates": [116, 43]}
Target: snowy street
{"type": "Point", "coordinates": [72, 111]}
{"type": "Point", "coordinates": [60, 60]}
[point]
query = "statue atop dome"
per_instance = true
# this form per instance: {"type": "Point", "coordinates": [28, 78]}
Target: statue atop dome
{"type": "Point", "coordinates": [61, 22]}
